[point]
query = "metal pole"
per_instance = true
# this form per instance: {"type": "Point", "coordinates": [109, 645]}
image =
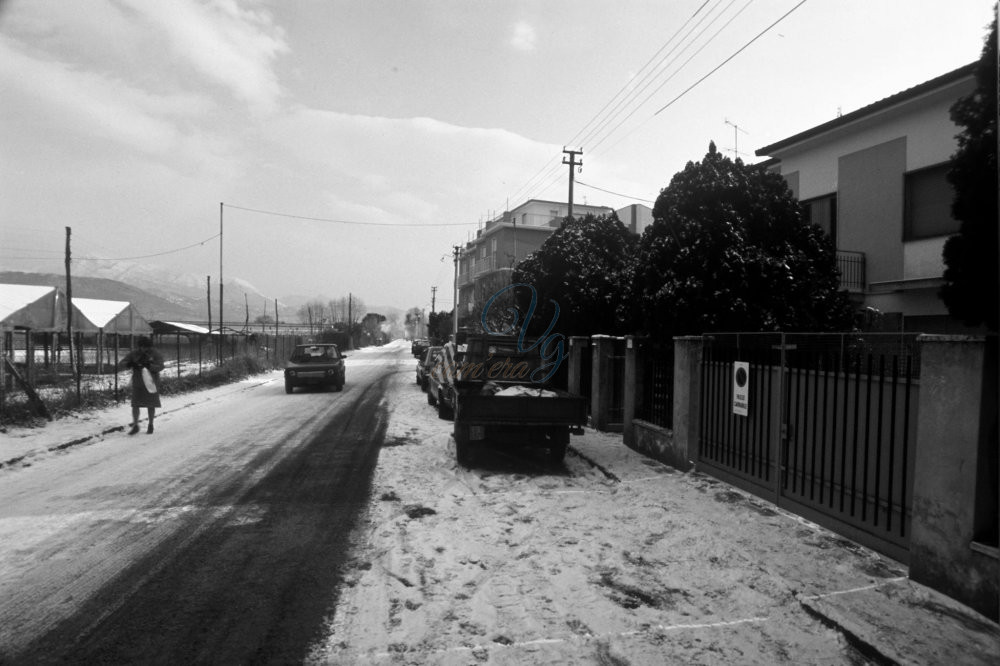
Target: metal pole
{"type": "Point", "coordinates": [221, 318]}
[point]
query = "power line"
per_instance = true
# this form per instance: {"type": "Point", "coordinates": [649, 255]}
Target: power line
{"type": "Point", "coordinates": [643, 81]}
{"type": "Point", "coordinates": [740, 50]}
{"type": "Point", "coordinates": [594, 187]}
{"type": "Point", "coordinates": [691, 40]}
{"type": "Point", "coordinates": [551, 169]}
{"type": "Point", "coordinates": [679, 69]}
{"type": "Point", "coordinates": [355, 222]}
{"type": "Point", "coordinates": [143, 256]}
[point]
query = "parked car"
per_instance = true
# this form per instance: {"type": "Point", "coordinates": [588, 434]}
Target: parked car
{"type": "Point", "coordinates": [442, 377]}
{"type": "Point", "coordinates": [425, 364]}
{"type": "Point", "coordinates": [419, 347]}
{"type": "Point", "coordinates": [315, 365]}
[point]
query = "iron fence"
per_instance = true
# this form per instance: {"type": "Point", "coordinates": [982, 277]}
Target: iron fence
{"type": "Point", "coordinates": [656, 403]}
{"type": "Point", "coordinates": [829, 430]}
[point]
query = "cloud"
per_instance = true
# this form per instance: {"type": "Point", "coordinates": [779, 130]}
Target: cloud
{"type": "Point", "coordinates": [232, 46]}
{"type": "Point", "coordinates": [91, 103]}
{"type": "Point", "coordinates": [414, 169]}
{"type": "Point", "coordinates": [524, 37]}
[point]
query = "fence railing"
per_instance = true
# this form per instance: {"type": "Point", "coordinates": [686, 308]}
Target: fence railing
{"type": "Point", "coordinates": [852, 270]}
{"type": "Point", "coordinates": [656, 404]}
{"type": "Point", "coordinates": [43, 360]}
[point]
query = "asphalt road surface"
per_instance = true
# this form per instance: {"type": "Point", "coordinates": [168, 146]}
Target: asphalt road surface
{"type": "Point", "coordinates": [216, 540]}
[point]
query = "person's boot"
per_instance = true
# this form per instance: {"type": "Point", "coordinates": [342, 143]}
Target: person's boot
{"type": "Point", "coordinates": [135, 429]}
{"type": "Point", "coordinates": [149, 428]}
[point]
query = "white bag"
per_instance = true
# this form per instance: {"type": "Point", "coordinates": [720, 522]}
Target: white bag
{"type": "Point", "coordinates": [147, 379]}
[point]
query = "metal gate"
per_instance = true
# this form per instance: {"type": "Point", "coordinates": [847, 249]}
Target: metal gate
{"type": "Point", "coordinates": [829, 427]}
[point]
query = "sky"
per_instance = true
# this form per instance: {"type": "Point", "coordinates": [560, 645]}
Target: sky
{"type": "Point", "coordinates": [345, 146]}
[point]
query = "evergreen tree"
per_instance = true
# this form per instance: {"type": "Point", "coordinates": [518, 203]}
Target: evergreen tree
{"type": "Point", "coordinates": [971, 277]}
{"type": "Point", "coordinates": [728, 250]}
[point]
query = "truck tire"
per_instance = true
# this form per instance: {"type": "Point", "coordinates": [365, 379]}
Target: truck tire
{"type": "Point", "coordinates": [558, 443]}
{"type": "Point", "coordinates": [431, 400]}
{"type": "Point", "coordinates": [464, 449]}
{"type": "Point", "coordinates": [289, 387]}
{"type": "Point", "coordinates": [444, 409]}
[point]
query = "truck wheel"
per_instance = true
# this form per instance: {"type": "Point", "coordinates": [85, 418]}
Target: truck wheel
{"type": "Point", "coordinates": [444, 410]}
{"type": "Point", "coordinates": [463, 447]}
{"type": "Point", "coordinates": [431, 400]}
{"type": "Point", "coordinates": [558, 443]}
{"type": "Point", "coordinates": [289, 387]}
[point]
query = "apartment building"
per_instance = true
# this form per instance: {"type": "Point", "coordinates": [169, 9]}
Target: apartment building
{"type": "Point", "coordinates": [486, 262]}
{"type": "Point", "coordinates": [875, 179]}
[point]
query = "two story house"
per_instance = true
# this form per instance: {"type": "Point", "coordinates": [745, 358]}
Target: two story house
{"type": "Point", "coordinates": [875, 179]}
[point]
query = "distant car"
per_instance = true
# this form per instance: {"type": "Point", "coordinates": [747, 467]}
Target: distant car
{"type": "Point", "coordinates": [315, 365]}
{"type": "Point", "coordinates": [419, 347]}
{"type": "Point", "coordinates": [424, 365]}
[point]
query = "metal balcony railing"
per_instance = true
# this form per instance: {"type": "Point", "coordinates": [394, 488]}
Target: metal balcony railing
{"type": "Point", "coordinates": [852, 270]}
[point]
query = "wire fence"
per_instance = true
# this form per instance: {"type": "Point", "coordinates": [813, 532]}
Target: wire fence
{"type": "Point", "coordinates": [38, 368]}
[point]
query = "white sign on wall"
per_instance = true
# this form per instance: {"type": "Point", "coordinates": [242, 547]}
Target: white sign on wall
{"type": "Point", "coordinates": [741, 388]}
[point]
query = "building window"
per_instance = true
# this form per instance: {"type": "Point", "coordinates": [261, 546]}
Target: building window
{"type": "Point", "coordinates": [822, 211]}
{"type": "Point", "coordinates": [927, 204]}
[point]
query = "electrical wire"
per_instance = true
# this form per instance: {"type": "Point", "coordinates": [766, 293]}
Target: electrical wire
{"type": "Point", "coordinates": [147, 256]}
{"type": "Point", "coordinates": [740, 50]}
{"type": "Point", "coordinates": [552, 168]}
{"type": "Point", "coordinates": [354, 222]}
{"type": "Point", "coordinates": [627, 196]}
{"type": "Point", "coordinates": [670, 78]}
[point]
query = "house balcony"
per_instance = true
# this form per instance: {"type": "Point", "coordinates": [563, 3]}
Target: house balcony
{"type": "Point", "coordinates": [852, 271]}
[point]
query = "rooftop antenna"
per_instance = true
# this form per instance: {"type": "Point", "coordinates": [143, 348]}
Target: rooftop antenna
{"type": "Point", "coordinates": [736, 138]}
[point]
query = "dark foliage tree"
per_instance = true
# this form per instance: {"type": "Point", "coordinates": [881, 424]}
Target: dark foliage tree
{"type": "Point", "coordinates": [439, 325]}
{"type": "Point", "coordinates": [728, 251]}
{"type": "Point", "coordinates": [584, 268]}
{"type": "Point", "coordinates": [971, 279]}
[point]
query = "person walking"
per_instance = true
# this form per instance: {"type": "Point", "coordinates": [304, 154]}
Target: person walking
{"type": "Point", "coordinates": [146, 364]}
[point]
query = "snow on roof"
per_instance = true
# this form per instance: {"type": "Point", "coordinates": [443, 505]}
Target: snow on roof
{"type": "Point", "coordinates": [98, 312]}
{"type": "Point", "coordinates": [191, 328]}
{"type": "Point", "coordinates": [30, 306]}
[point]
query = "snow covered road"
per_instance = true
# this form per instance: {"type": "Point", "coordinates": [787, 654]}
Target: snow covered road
{"type": "Point", "coordinates": [217, 539]}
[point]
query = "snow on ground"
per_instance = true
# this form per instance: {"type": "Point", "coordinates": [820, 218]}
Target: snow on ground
{"type": "Point", "coordinates": [611, 558]}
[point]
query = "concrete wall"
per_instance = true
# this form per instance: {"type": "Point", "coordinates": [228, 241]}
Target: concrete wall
{"type": "Point", "coordinates": [870, 207]}
{"type": "Point", "coordinates": [955, 435]}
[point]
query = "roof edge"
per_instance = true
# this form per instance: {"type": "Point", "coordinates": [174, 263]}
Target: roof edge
{"type": "Point", "coordinates": [882, 104]}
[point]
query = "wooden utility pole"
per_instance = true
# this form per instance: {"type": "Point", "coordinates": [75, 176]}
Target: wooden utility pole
{"type": "Point", "coordinates": [221, 319]}
{"type": "Point", "coordinates": [433, 297]}
{"type": "Point", "coordinates": [350, 321]}
{"type": "Point", "coordinates": [454, 310]}
{"type": "Point", "coordinates": [572, 164]}
{"type": "Point", "coordinates": [69, 312]}
{"type": "Point", "coordinates": [208, 278]}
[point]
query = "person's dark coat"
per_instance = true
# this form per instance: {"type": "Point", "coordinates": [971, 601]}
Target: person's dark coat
{"type": "Point", "coordinates": [136, 360]}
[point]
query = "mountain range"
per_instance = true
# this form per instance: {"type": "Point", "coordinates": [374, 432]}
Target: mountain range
{"type": "Point", "coordinates": [158, 294]}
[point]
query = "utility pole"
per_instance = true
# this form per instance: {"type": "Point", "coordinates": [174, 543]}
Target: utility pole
{"type": "Point", "coordinates": [69, 314]}
{"type": "Point", "coordinates": [572, 163]}
{"type": "Point", "coordinates": [433, 298]}
{"type": "Point", "coordinates": [454, 310]}
{"type": "Point", "coordinates": [221, 318]}
{"type": "Point", "coordinates": [350, 321]}
{"type": "Point", "coordinates": [208, 279]}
